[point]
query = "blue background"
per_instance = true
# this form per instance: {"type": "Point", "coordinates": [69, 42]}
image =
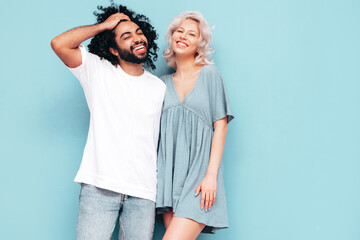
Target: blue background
{"type": "Point", "coordinates": [292, 157]}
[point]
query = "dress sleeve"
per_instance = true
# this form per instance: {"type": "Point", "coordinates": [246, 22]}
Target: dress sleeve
{"type": "Point", "coordinates": [220, 102]}
{"type": "Point", "coordinates": [163, 78]}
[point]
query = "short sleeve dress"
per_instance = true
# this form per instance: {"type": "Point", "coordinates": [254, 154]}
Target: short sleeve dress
{"type": "Point", "coordinates": [186, 133]}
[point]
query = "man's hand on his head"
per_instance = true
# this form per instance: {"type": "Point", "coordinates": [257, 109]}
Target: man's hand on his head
{"type": "Point", "coordinates": [111, 22]}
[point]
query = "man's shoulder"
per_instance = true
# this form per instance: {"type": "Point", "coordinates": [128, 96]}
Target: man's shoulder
{"type": "Point", "coordinates": [94, 58]}
{"type": "Point", "coordinates": [155, 79]}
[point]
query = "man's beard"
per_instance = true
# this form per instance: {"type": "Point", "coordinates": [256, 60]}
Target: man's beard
{"type": "Point", "coordinates": [129, 56]}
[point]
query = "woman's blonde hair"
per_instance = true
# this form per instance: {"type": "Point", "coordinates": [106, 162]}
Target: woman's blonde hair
{"type": "Point", "coordinates": [204, 52]}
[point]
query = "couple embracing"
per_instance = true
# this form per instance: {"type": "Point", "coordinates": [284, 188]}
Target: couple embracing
{"type": "Point", "coordinates": [154, 145]}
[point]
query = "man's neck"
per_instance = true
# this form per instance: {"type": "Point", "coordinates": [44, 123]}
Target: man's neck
{"type": "Point", "coordinates": [132, 69]}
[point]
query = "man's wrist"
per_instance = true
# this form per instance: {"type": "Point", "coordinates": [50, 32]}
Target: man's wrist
{"type": "Point", "coordinates": [100, 27]}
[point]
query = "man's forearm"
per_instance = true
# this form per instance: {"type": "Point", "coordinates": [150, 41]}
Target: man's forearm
{"type": "Point", "coordinates": [73, 38]}
{"type": "Point", "coordinates": [66, 44]}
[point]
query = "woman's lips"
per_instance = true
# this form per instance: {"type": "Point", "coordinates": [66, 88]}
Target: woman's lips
{"type": "Point", "coordinates": [181, 44]}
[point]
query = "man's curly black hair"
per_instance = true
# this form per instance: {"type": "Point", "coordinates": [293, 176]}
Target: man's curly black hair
{"type": "Point", "coordinates": [101, 42]}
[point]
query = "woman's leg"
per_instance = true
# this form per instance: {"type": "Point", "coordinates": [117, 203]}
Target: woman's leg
{"type": "Point", "coordinates": [183, 229]}
{"type": "Point", "coordinates": [167, 217]}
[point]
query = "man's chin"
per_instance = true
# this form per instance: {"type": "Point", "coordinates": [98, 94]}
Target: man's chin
{"type": "Point", "coordinates": [134, 57]}
{"type": "Point", "coordinates": [141, 57]}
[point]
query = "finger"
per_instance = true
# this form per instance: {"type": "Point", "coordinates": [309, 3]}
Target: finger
{"type": "Point", "coordinates": [211, 200]}
{"type": "Point", "coordinates": [124, 16]}
{"type": "Point", "coordinates": [207, 200]}
{"type": "Point", "coordinates": [197, 191]}
{"type": "Point", "coordinates": [214, 197]}
{"type": "Point", "coordinates": [202, 200]}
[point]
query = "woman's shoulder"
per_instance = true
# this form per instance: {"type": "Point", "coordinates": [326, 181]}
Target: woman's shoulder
{"type": "Point", "coordinates": [211, 68]}
{"type": "Point", "coordinates": [166, 78]}
{"type": "Point", "coordinates": [212, 73]}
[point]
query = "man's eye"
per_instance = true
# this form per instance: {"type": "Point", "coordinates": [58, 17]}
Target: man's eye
{"type": "Point", "coordinates": [125, 38]}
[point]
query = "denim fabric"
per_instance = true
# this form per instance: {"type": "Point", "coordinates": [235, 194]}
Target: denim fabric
{"type": "Point", "coordinates": [99, 210]}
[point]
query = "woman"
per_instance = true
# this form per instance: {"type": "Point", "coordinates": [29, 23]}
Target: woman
{"type": "Point", "coordinates": [196, 111]}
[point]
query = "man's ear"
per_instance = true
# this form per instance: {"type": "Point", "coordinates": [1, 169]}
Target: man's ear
{"type": "Point", "coordinates": [114, 52]}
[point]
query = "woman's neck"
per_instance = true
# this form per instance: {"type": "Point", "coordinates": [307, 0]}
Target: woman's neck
{"type": "Point", "coordinates": [186, 67]}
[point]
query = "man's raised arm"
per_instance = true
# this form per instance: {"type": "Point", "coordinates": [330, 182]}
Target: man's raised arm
{"type": "Point", "coordinates": [66, 44]}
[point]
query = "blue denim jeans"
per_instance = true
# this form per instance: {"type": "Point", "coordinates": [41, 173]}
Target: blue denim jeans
{"type": "Point", "coordinates": [99, 210]}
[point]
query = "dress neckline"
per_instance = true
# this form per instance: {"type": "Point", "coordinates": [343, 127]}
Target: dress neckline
{"type": "Point", "coordinates": [189, 93]}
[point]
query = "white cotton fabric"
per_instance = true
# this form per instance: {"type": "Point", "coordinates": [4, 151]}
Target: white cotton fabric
{"type": "Point", "coordinates": [120, 152]}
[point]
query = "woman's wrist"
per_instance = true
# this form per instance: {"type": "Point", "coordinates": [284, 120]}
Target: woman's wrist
{"type": "Point", "coordinates": [211, 174]}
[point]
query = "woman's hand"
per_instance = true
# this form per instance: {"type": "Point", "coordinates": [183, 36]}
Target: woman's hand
{"type": "Point", "coordinates": [208, 192]}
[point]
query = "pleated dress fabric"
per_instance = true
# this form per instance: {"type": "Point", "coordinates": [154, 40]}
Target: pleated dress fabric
{"type": "Point", "coordinates": [186, 133]}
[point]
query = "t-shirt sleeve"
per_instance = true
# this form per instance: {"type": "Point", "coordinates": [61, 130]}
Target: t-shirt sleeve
{"type": "Point", "coordinates": [220, 103]}
{"type": "Point", "coordinates": [86, 71]}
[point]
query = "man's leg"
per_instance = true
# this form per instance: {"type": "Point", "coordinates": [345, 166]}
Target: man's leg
{"type": "Point", "coordinates": [137, 219]}
{"type": "Point", "coordinates": [98, 213]}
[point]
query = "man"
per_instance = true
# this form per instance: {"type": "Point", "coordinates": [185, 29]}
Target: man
{"type": "Point", "coordinates": [118, 169]}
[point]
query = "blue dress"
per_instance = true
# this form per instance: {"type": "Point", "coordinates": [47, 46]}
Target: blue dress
{"type": "Point", "coordinates": [186, 133]}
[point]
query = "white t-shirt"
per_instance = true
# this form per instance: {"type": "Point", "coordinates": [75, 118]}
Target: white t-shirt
{"type": "Point", "coordinates": [120, 153]}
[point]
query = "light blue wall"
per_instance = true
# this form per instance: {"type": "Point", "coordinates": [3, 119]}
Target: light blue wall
{"type": "Point", "coordinates": [292, 159]}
